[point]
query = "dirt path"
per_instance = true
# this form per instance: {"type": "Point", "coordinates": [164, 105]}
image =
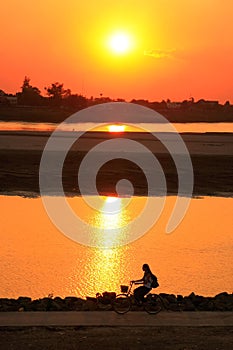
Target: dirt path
{"type": "Point", "coordinates": [159, 338]}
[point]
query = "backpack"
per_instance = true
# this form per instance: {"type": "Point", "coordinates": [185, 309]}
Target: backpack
{"type": "Point", "coordinates": [155, 282]}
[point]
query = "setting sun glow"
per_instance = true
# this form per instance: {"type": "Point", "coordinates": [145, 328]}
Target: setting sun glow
{"type": "Point", "coordinates": [116, 128]}
{"type": "Point", "coordinates": [124, 49]}
{"type": "Point", "coordinates": [120, 43]}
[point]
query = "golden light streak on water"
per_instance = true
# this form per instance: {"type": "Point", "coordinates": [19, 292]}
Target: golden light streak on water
{"type": "Point", "coordinates": [111, 223]}
{"type": "Point", "coordinates": [108, 224]}
{"type": "Point", "coordinates": [105, 269]}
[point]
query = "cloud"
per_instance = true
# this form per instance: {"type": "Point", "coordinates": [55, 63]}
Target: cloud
{"type": "Point", "coordinates": [171, 53]}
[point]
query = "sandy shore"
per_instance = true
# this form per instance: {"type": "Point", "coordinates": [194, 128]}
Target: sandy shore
{"type": "Point", "coordinates": [211, 155]}
{"type": "Point", "coordinates": [196, 143]}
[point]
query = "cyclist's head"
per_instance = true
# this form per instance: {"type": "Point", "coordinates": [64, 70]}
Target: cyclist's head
{"type": "Point", "coordinates": [146, 267]}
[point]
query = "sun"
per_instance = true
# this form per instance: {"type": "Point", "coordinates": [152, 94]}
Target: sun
{"type": "Point", "coordinates": [120, 43]}
{"type": "Point", "coordinates": [116, 128]}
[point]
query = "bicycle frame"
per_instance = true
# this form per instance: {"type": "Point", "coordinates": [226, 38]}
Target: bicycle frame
{"type": "Point", "coordinates": [129, 290]}
{"type": "Point", "coordinates": [123, 302]}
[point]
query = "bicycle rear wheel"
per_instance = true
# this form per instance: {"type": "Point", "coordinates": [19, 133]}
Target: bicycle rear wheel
{"type": "Point", "coordinates": [153, 305]}
{"type": "Point", "coordinates": [121, 304]}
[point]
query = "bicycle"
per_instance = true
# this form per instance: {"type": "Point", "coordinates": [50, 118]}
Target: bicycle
{"type": "Point", "coordinates": [123, 302]}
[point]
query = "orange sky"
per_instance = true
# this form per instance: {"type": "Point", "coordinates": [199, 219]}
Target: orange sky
{"type": "Point", "coordinates": [180, 48]}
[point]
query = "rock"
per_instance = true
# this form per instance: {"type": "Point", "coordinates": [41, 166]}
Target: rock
{"type": "Point", "coordinates": [163, 295]}
{"type": "Point", "coordinates": [165, 302]}
{"type": "Point", "coordinates": [222, 295]}
{"type": "Point", "coordinates": [188, 305]}
{"type": "Point", "coordinates": [203, 305]}
{"type": "Point", "coordinates": [209, 306]}
{"type": "Point", "coordinates": [180, 298]}
{"type": "Point", "coordinates": [24, 302]}
{"type": "Point", "coordinates": [33, 305]}
{"type": "Point", "coordinates": [171, 298]}
{"type": "Point", "coordinates": [170, 302]}
{"type": "Point", "coordinates": [92, 299]}
{"type": "Point", "coordinates": [219, 305]}
{"type": "Point", "coordinates": [197, 300]}
{"type": "Point", "coordinates": [89, 305]}
{"type": "Point", "coordinates": [8, 304]}
{"type": "Point", "coordinates": [59, 301]}
{"type": "Point", "coordinates": [223, 302]}
{"type": "Point", "coordinates": [40, 304]}
{"type": "Point", "coordinates": [192, 296]}
{"type": "Point", "coordinates": [54, 306]}
{"type": "Point", "coordinates": [73, 303]}
{"type": "Point", "coordinates": [108, 297]}
{"type": "Point", "coordinates": [174, 307]}
{"type": "Point", "coordinates": [44, 304]}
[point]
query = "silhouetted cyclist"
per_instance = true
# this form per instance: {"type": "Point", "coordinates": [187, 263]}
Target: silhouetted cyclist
{"type": "Point", "coordinates": [147, 281]}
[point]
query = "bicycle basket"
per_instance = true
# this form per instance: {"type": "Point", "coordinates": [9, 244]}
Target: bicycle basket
{"type": "Point", "coordinates": [124, 289]}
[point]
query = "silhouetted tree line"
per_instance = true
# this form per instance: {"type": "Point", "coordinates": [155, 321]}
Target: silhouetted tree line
{"type": "Point", "coordinates": [64, 99]}
{"type": "Point", "coordinates": [57, 96]}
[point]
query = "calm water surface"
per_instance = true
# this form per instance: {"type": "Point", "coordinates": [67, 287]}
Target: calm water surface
{"type": "Point", "coordinates": [180, 127]}
{"type": "Point", "coordinates": [36, 259]}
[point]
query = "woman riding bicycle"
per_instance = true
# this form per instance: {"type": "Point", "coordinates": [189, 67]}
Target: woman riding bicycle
{"type": "Point", "coordinates": [146, 280]}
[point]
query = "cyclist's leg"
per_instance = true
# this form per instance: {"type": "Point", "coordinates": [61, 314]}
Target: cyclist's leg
{"type": "Point", "coordinates": [144, 292]}
{"type": "Point", "coordinates": [139, 294]}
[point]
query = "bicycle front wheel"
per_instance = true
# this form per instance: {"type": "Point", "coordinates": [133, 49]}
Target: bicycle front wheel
{"type": "Point", "coordinates": [153, 305]}
{"type": "Point", "coordinates": [121, 304]}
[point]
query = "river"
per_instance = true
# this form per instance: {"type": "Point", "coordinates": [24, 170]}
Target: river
{"type": "Point", "coordinates": [36, 259]}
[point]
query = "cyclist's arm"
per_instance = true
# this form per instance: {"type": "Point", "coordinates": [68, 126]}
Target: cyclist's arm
{"type": "Point", "coordinates": [138, 281]}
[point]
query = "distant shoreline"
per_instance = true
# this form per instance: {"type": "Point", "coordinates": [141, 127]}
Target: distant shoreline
{"type": "Point", "coordinates": [57, 115]}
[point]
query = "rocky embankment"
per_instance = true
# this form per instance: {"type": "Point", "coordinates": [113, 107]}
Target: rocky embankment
{"type": "Point", "coordinates": [193, 302]}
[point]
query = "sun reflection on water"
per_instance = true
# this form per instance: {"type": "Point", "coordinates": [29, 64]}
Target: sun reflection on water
{"type": "Point", "coordinates": [106, 268]}
{"type": "Point", "coordinates": [111, 222]}
{"type": "Point", "coordinates": [107, 264]}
